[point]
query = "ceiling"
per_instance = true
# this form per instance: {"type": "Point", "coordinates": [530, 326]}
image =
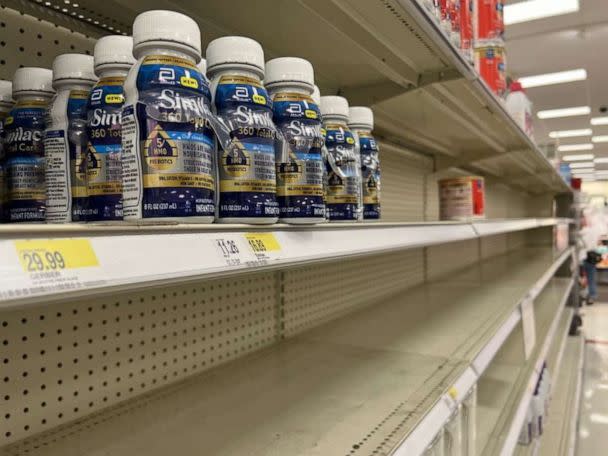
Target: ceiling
{"type": "Point", "coordinates": [566, 42]}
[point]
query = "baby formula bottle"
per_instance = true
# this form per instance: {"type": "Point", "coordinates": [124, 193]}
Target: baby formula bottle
{"type": "Point", "coordinates": [246, 162]}
{"type": "Point", "coordinates": [113, 56]}
{"type": "Point", "coordinates": [6, 104]}
{"type": "Point", "coordinates": [168, 147]}
{"type": "Point", "coordinates": [23, 145]}
{"type": "Point", "coordinates": [343, 171]}
{"type": "Point", "coordinates": [65, 143]}
{"type": "Point", "coordinates": [290, 83]}
{"type": "Point", "coordinates": [361, 122]}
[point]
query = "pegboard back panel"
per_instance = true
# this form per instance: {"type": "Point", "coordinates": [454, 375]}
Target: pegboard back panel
{"type": "Point", "coordinates": [403, 184]}
{"type": "Point", "coordinates": [493, 245]}
{"type": "Point", "coordinates": [445, 258]}
{"type": "Point", "coordinates": [63, 362]}
{"type": "Point", "coordinates": [317, 294]}
{"type": "Point", "coordinates": [28, 41]}
{"type": "Point", "coordinates": [517, 240]}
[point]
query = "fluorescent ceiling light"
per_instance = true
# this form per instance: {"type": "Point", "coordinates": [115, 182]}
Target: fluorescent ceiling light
{"type": "Point", "coordinates": [553, 78]}
{"type": "Point", "coordinates": [579, 157]}
{"type": "Point", "coordinates": [581, 165]}
{"type": "Point", "coordinates": [574, 147]}
{"type": "Point", "coordinates": [570, 133]}
{"type": "Point", "coordinates": [599, 139]}
{"type": "Point", "coordinates": [601, 160]}
{"type": "Point", "coordinates": [538, 9]}
{"type": "Point", "coordinates": [564, 112]}
{"type": "Point", "coordinates": [599, 121]}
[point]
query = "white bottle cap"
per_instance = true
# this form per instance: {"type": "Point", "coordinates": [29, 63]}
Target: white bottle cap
{"type": "Point", "coordinates": [202, 66]}
{"type": "Point", "coordinates": [316, 96]}
{"type": "Point", "coordinates": [114, 51]}
{"type": "Point", "coordinates": [334, 106]}
{"type": "Point", "coordinates": [73, 67]}
{"type": "Point", "coordinates": [361, 116]}
{"type": "Point", "coordinates": [160, 27]}
{"type": "Point", "coordinates": [235, 50]}
{"type": "Point", "coordinates": [6, 91]}
{"type": "Point", "coordinates": [33, 79]}
{"type": "Point", "coordinates": [289, 71]}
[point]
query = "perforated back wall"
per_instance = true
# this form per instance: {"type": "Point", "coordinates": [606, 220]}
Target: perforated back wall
{"type": "Point", "coordinates": [494, 245]}
{"type": "Point", "coordinates": [317, 294]}
{"type": "Point", "coordinates": [62, 362]}
{"type": "Point", "coordinates": [28, 41]}
{"type": "Point", "coordinates": [443, 259]}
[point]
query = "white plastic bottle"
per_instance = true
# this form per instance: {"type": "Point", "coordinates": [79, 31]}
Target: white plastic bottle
{"type": "Point", "coordinates": [113, 57]}
{"type": "Point", "coordinates": [361, 122]}
{"type": "Point", "coordinates": [316, 96]}
{"type": "Point", "coordinates": [168, 146]}
{"type": "Point", "coordinates": [23, 145]}
{"type": "Point", "coordinates": [520, 107]}
{"type": "Point", "coordinates": [246, 163]}
{"type": "Point", "coordinates": [6, 104]}
{"type": "Point", "coordinates": [65, 143]}
{"type": "Point", "coordinates": [343, 172]}
{"type": "Point", "coordinates": [290, 83]}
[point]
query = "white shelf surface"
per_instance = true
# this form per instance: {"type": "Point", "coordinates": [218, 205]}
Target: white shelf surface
{"type": "Point", "coordinates": [508, 386]}
{"type": "Point", "coordinates": [354, 385]}
{"type": "Point", "coordinates": [134, 256]}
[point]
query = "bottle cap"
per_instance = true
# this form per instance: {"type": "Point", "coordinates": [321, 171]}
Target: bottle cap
{"type": "Point", "coordinates": [114, 50]}
{"type": "Point", "coordinates": [334, 106]}
{"type": "Point", "coordinates": [361, 116]}
{"type": "Point", "coordinates": [316, 95]}
{"type": "Point", "coordinates": [158, 27]}
{"type": "Point", "coordinates": [289, 71]}
{"type": "Point", "coordinates": [235, 50]}
{"type": "Point", "coordinates": [76, 67]}
{"type": "Point", "coordinates": [6, 91]}
{"type": "Point", "coordinates": [33, 79]}
{"type": "Point", "coordinates": [202, 66]}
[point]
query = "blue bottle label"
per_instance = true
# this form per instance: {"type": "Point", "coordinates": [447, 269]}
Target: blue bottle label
{"type": "Point", "coordinates": [24, 150]}
{"type": "Point", "coordinates": [3, 189]}
{"type": "Point", "coordinates": [104, 168]}
{"type": "Point", "coordinates": [174, 174]}
{"type": "Point", "coordinates": [247, 168]}
{"type": "Point", "coordinates": [300, 164]}
{"type": "Point", "coordinates": [370, 173]}
{"type": "Point", "coordinates": [342, 174]}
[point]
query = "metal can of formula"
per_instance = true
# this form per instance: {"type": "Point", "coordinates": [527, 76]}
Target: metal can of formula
{"type": "Point", "coordinates": [462, 198]}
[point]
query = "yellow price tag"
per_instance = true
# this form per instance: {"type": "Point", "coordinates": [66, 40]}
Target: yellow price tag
{"type": "Point", "coordinates": [188, 82]}
{"type": "Point", "coordinates": [453, 392]}
{"type": "Point", "coordinates": [263, 242]}
{"type": "Point", "coordinates": [39, 255]}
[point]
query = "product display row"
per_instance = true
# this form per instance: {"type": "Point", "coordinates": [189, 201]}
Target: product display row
{"type": "Point", "coordinates": [146, 130]}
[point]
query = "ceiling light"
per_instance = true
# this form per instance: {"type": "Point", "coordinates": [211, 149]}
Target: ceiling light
{"type": "Point", "coordinates": [599, 139]}
{"type": "Point", "coordinates": [570, 133]}
{"type": "Point", "coordinates": [538, 9]}
{"type": "Point", "coordinates": [599, 121]}
{"type": "Point", "coordinates": [581, 165]}
{"type": "Point", "coordinates": [553, 78]}
{"type": "Point", "coordinates": [574, 147]}
{"type": "Point", "coordinates": [579, 157]}
{"type": "Point", "coordinates": [564, 112]}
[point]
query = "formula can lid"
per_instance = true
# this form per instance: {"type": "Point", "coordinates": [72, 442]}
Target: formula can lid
{"type": "Point", "coordinates": [114, 50]}
{"type": "Point", "coordinates": [33, 79]}
{"type": "Point", "coordinates": [235, 50]}
{"type": "Point", "coordinates": [361, 116]}
{"type": "Point", "coordinates": [334, 106]}
{"type": "Point", "coordinates": [316, 95]}
{"type": "Point", "coordinates": [167, 26]}
{"type": "Point", "coordinates": [73, 66]}
{"type": "Point", "coordinates": [289, 70]}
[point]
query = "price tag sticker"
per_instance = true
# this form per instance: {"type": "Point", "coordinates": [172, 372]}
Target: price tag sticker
{"type": "Point", "coordinates": [230, 250]}
{"type": "Point", "coordinates": [263, 245]}
{"type": "Point", "coordinates": [49, 265]}
{"type": "Point", "coordinates": [529, 326]}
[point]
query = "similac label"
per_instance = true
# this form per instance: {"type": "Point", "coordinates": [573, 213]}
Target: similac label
{"type": "Point", "coordinates": [247, 166]}
{"type": "Point", "coordinates": [300, 165]}
{"type": "Point", "coordinates": [490, 63]}
{"type": "Point", "coordinates": [24, 149]}
{"type": "Point", "coordinates": [3, 115]}
{"type": "Point", "coordinates": [370, 172]}
{"type": "Point", "coordinates": [342, 173]}
{"type": "Point", "coordinates": [104, 167]}
{"type": "Point", "coordinates": [168, 145]}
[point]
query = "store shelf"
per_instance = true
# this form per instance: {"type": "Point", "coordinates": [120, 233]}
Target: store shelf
{"type": "Point", "coordinates": [131, 256]}
{"type": "Point", "coordinates": [509, 386]}
{"type": "Point", "coordinates": [365, 382]}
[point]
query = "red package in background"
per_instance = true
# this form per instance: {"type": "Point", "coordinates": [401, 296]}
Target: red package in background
{"type": "Point", "coordinates": [488, 20]}
{"type": "Point", "coordinates": [490, 62]}
{"type": "Point", "coordinates": [466, 27]}
{"type": "Point", "coordinates": [450, 20]}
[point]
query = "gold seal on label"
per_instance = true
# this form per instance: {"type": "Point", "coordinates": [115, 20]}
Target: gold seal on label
{"type": "Point", "coordinates": [93, 163]}
{"type": "Point", "coordinates": [335, 183]}
{"type": "Point", "coordinates": [81, 167]}
{"type": "Point", "coordinates": [289, 172]}
{"type": "Point", "coordinates": [236, 161]}
{"type": "Point", "coordinates": [160, 150]}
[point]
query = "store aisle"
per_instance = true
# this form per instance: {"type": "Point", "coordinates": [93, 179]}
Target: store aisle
{"type": "Point", "coordinates": [593, 430]}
